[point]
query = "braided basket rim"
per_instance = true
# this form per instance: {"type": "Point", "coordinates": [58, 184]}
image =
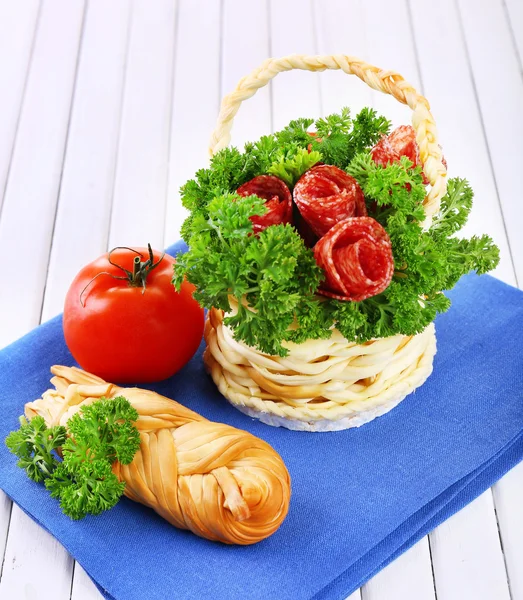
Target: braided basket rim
{"type": "Point", "coordinates": [385, 81]}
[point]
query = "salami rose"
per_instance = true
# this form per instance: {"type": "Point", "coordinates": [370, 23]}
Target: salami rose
{"type": "Point", "coordinates": [356, 257]}
{"type": "Point", "coordinates": [278, 200]}
{"type": "Point", "coordinates": [401, 142]}
{"type": "Point", "coordinates": [325, 195]}
{"type": "Point", "coordinates": [383, 153]}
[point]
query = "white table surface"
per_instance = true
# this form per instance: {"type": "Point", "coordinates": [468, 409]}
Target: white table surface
{"type": "Point", "coordinates": [105, 110]}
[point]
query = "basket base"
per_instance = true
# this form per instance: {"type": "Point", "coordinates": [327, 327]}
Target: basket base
{"type": "Point", "coordinates": [356, 420]}
{"type": "Point", "coordinates": [285, 392]}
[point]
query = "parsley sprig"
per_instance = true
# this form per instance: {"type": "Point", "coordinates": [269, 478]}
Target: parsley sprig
{"type": "Point", "coordinates": [94, 438]}
{"type": "Point", "coordinates": [276, 274]}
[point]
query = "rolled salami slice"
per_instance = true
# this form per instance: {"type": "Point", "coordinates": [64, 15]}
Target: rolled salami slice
{"type": "Point", "coordinates": [401, 142]}
{"type": "Point", "coordinates": [278, 200]}
{"type": "Point", "coordinates": [356, 257]}
{"type": "Point", "coordinates": [383, 153]}
{"type": "Point", "coordinates": [326, 195]}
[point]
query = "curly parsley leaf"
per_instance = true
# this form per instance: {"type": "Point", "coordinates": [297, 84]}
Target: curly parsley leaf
{"type": "Point", "coordinates": [273, 277]}
{"type": "Point", "coordinates": [296, 132]}
{"type": "Point", "coordinates": [367, 129]}
{"type": "Point", "coordinates": [339, 137]}
{"type": "Point", "coordinates": [455, 208]}
{"type": "Point", "coordinates": [103, 430]}
{"type": "Point", "coordinates": [291, 168]}
{"type": "Point", "coordinates": [88, 489]}
{"type": "Point", "coordinates": [35, 445]}
{"type": "Point", "coordinates": [94, 438]}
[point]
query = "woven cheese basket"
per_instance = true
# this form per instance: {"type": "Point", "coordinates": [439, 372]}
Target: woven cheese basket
{"type": "Point", "coordinates": [326, 385]}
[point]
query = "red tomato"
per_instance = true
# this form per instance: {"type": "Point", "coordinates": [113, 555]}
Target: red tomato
{"type": "Point", "coordinates": [125, 332]}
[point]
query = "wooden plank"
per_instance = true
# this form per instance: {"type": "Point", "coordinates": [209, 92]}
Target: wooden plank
{"type": "Point", "coordinates": [17, 32]}
{"type": "Point", "coordinates": [385, 42]}
{"type": "Point", "coordinates": [245, 45]}
{"type": "Point", "coordinates": [514, 9]}
{"type": "Point", "coordinates": [390, 46]}
{"type": "Point", "coordinates": [88, 173]}
{"type": "Point", "coordinates": [489, 44]}
{"type": "Point", "coordinates": [35, 562]}
{"type": "Point", "coordinates": [84, 207]}
{"type": "Point", "coordinates": [140, 191]}
{"type": "Point", "coordinates": [83, 587]}
{"type": "Point", "coordinates": [499, 87]}
{"type": "Point", "coordinates": [5, 517]}
{"type": "Point", "coordinates": [196, 81]}
{"type": "Point", "coordinates": [340, 30]}
{"type": "Point", "coordinates": [141, 176]}
{"type": "Point", "coordinates": [17, 29]}
{"type": "Point", "coordinates": [409, 576]}
{"type": "Point", "coordinates": [465, 565]}
{"type": "Point", "coordinates": [508, 496]}
{"type": "Point", "coordinates": [444, 67]}
{"type": "Point", "coordinates": [296, 93]}
{"type": "Point", "coordinates": [35, 173]}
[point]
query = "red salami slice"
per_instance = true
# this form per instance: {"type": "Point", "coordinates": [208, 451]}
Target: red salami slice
{"type": "Point", "coordinates": [356, 256]}
{"type": "Point", "coordinates": [383, 153]}
{"type": "Point", "coordinates": [278, 200]}
{"type": "Point", "coordinates": [401, 142]}
{"type": "Point", "coordinates": [326, 195]}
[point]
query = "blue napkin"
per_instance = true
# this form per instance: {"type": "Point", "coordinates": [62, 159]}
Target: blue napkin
{"type": "Point", "coordinates": [360, 497]}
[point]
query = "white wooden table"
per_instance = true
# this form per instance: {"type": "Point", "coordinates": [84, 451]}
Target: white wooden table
{"type": "Point", "coordinates": [105, 110]}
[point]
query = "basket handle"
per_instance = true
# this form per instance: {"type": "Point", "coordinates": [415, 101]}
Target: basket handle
{"type": "Point", "coordinates": [388, 82]}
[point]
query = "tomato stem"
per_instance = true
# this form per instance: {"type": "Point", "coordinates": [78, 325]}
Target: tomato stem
{"type": "Point", "coordinates": [136, 267]}
{"type": "Point", "coordinates": [142, 269]}
{"type": "Point", "coordinates": [138, 276]}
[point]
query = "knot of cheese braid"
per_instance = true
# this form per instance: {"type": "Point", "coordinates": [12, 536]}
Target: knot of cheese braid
{"type": "Point", "coordinates": [221, 483]}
